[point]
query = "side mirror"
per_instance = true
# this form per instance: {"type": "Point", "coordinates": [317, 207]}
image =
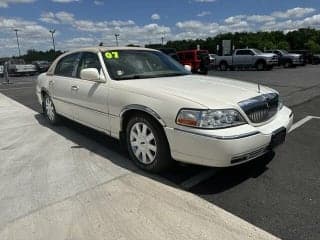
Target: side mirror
{"type": "Point", "coordinates": [91, 74]}
{"type": "Point", "coordinates": [188, 68]}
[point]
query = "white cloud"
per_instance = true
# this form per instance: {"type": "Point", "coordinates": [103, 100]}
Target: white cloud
{"type": "Point", "coordinates": [31, 35]}
{"type": "Point", "coordinates": [204, 1]}
{"type": "Point", "coordinates": [99, 3]}
{"type": "Point", "coordinates": [155, 16]}
{"type": "Point", "coordinates": [65, 1]}
{"type": "Point", "coordinates": [204, 13]}
{"type": "Point", "coordinates": [297, 12]}
{"type": "Point", "coordinates": [5, 3]}
{"type": "Point", "coordinates": [234, 19]}
{"type": "Point", "coordinates": [259, 18]}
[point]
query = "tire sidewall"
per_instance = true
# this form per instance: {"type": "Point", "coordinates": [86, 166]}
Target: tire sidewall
{"type": "Point", "coordinates": [163, 158]}
{"type": "Point", "coordinates": [55, 119]}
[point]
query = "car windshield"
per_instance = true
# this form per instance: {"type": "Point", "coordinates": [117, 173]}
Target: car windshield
{"type": "Point", "coordinates": [257, 51]}
{"type": "Point", "coordinates": [137, 64]}
{"type": "Point", "coordinates": [284, 51]}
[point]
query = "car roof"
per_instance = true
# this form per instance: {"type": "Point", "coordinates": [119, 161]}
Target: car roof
{"type": "Point", "coordinates": [104, 49]}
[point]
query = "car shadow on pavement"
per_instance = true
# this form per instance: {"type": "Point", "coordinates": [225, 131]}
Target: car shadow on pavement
{"type": "Point", "coordinates": [230, 177]}
{"type": "Point", "coordinates": [111, 149]}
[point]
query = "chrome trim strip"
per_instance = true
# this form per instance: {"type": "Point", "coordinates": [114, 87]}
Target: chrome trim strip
{"type": "Point", "coordinates": [92, 109]}
{"type": "Point", "coordinates": [244, 135]}
{"type": "Point", "coordinates": [144, 109]}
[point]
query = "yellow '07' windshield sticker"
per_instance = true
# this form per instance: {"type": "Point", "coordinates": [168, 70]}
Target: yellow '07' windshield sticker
{"type": "Point", "coordinates": [112, 55]}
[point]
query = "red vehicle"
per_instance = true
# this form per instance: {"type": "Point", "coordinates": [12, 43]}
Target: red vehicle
{"type": "Point", "coordinates": [195, 58]}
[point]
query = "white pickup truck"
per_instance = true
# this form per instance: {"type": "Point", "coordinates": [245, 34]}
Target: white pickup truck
{"type": "Point", "coordinates": [19, 67]}
{"type": "Point", "coordinates": [249, 58]}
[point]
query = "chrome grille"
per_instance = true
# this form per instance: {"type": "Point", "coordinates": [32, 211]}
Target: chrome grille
{"type": "Point", "coordinates": [261, 108]}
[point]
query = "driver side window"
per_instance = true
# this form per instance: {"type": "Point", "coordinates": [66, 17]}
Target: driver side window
{"type": "Point", "coordinates": [89, 60]}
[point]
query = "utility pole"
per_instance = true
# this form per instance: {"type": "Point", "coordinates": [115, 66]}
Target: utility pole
{"type": "Point", "coordinates": [117, 35]}
{"type": "Point", "coordinates": [52, 33]}
{"type": "Point", "coordinates": [17, 30]}
{"type": "Point", "coordinates": [162, 39]}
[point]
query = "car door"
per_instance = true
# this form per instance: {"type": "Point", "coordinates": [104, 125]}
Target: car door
{"type": "Point", "coordinates": [60, 83]}
{"type": "Point", "coordinates": [89, 98]}
{"type": "Point", "coordinates": [244, 58]}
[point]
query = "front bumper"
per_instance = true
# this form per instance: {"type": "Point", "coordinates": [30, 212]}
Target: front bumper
{"type": "Point", "coordinates": [225, 147]}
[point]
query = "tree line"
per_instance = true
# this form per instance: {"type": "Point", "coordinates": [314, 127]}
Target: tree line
{"type": "Point", "coordinates": [306, 38]}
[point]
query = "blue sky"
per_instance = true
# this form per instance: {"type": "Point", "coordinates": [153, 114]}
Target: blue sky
{"type": "Point", "coordinates": [87, 22]}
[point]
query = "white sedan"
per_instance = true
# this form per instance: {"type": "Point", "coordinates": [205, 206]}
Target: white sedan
{"type": "Point", "coordinates": [160, 110]}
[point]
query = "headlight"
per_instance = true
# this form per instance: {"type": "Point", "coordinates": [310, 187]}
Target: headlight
{"type": "Point", "coordinates": [209, 119]}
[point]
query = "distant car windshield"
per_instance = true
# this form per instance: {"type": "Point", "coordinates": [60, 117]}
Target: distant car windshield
{"type": "Point", "coordinates": [257, 51]}
{"type": "Point", "coordinates": [137, 64]}
{"type": "Point", "coordinates": [284, 51]}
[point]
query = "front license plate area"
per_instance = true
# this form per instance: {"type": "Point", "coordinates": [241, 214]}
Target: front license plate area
{"type": "Point", "coordinates": [278, 137]}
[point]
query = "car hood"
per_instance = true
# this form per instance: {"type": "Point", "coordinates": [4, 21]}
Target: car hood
{"type": "Point", "coordinates": [207, 91]}
{"type": "Point", "coordinates": [294, 55]}
{"type": "Point", "coordinates": [270, 55]}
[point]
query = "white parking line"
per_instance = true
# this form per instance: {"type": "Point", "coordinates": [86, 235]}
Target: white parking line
{"type": "Point", "coordinates": [18, 88]}
{"type": "Point", "coordinates": [301, 122]}
{"type": "Point", "coordinates": [195, 180]}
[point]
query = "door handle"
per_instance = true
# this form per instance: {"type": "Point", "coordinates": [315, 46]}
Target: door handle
{"type": "Point", "coordinates": [75, 88]}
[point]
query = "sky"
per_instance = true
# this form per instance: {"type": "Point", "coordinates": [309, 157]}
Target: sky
{"type": "Point", "coordinates": [81, 23]}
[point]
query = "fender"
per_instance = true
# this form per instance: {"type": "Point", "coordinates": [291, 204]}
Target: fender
{"type": "Point", "coordinates": [143, 109]}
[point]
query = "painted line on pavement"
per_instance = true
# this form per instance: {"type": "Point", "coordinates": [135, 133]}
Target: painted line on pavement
{"type": "Point", "coordinates": [195, 180]}
{"type": "Point", "coordinates": [18, 88]}
{"type": "Point", "coordinates": [302, 122]}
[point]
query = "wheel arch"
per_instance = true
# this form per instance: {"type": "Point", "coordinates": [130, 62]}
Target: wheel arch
{"type": "Point", "coordinates": [130, 110]}
{"type": "Point", "coordinates": [260, 60]}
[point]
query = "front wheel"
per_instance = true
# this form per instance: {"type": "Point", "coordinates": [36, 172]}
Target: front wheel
{"type": "Point", "coordinates": [50, 111]}
{"type": "Point", "coordinates": [147, 145]}
{"type": "Point", "coordinates": [260, 66]}
{"type": "Point", "coordinates": [223, 66]}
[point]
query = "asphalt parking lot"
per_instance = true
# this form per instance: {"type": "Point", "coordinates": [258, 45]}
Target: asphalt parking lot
{"type": "Point", "coordinates": [279, 192]}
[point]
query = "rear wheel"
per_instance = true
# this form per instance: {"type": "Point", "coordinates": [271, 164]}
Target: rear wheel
{"type": "Point", "coordinates": [260, 65]}
{"type": "Point", "coordinates": [288, 64]}
{"type": "Point", "coordinates": [50, 111]}
{"type": "Point", "coordinates": [223, 66]}
{"type": "Point", "coordinates": [147, 145]}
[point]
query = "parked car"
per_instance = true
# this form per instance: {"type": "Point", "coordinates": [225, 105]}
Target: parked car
{"type": "Point", "coordinates": [308, 57]}
{"type": "Point", "coordinates": [287, 59]}
{"type": "Point", "coordinates": [170, 52]}
{"type": "Point", "coordinates": [160, 111]}
{"type": "Point", "coordinates": [1, 70]}
{"type": "Point", "coordinates": [42, 66]}
{"type": "Point", "coordinates": [248, 58]}
{"type": "Point", "coordinates": [197, 59]}
{"type": "Point", "coordinates": [19, 67]}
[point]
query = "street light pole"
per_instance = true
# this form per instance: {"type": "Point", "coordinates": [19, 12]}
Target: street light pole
{"type": "Point", "coordinates": [16, 30]}
{"type": "Point", "coordinates": [52, 33]}
{"type": "Point", "coordinates": [162, 39]}
{"type": "Point", "coordinates": [117, 35]}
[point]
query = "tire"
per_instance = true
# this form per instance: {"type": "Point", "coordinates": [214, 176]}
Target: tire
{"type": "Point", "coordinates": [223, 66]}
{"type": "Point", "coordinates": [50, 111]}
{"type": "Point", "coordinates": [260, 65]}
{"type": "Point", "coordinates": [287, 64]}
{"type": "Point", "coordinates": [147, 144]}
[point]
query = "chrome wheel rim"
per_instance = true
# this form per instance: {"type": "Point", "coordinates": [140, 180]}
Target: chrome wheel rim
{"type": "Point", "coordinates": [49, 109]}
{"type": "Point", "coordinates": [143, 143]}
